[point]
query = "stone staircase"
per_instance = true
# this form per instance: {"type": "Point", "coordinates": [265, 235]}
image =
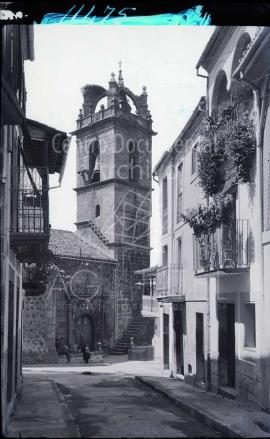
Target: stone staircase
{"type": "Point", "coordinates": [122, 345]}
{"type": "Point", "coordinates": [98, 232]}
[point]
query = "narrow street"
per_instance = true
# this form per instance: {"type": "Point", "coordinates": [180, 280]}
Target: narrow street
{"type": "Point", "coordinates": [107, 406]}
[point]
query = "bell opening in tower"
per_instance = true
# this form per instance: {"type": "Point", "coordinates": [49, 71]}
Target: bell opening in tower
{"type": "Point", "coordinates": [94, 162]}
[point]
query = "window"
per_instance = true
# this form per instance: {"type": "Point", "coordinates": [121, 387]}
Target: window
{"type": "Point", "coordinates": [165, 193]}
{"type": "Point", "coordinates": [194, 160]}
{"type": "Point", "coordinates": [131, 148]}
{"type": "Point", "coordinates": [97, 210]}
{"type": "Point", "coordinates": [179, 264]}
{"type": "Point", "coordinates": [179, 192]}
{"type": "Point", "coordinates": [164, 206]}
{"type": "Point", "coordinates": [134, 169]}
{"type": "Point", "coordinates": [249, 325]}
{"type": "Point", "coordinates": [165, 255]}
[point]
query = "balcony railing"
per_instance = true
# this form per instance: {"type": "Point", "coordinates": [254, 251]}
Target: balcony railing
{"type": "Point", "coordinates": [149, 304]}
{"type": "Point", "coordinates": [169, 281]}
{"type": "Point", "coordinates": [165, 221]}
{"type": "Point", "coordinates": [29, 225]}
{"type": "Point", "coordinates": [30, 202]}
{"type": "Point", "coordinates": [110, 112]}
{"type": "Point", "coordinates": [227, 249]}
{"type": "Point", "coordinates": [162, 281]}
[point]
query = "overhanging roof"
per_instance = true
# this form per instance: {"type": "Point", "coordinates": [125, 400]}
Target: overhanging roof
{"type": "Point", "coordinates": [42, 136]}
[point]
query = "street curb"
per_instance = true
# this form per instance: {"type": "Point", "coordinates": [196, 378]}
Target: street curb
{"type": "Point", "coordinates": [207, 419]}
{"type": "Point", "coordinates": [72, 427]}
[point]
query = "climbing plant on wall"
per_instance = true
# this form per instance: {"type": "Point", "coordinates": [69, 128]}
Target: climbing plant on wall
{"type": "Point", "coordinates": [227, 137]}
{"type": "Point", "coordinates": [205, 219]}
{"type": "Point", "coordinates": [240, 145]}
{"type": "Point", "coordinates": [227, 144]}
{"type": "Point", "coordinates": [211, 153]}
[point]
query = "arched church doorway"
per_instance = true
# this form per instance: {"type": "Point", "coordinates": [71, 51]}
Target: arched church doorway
{"type": "Point", "coordinates": [85, 332]}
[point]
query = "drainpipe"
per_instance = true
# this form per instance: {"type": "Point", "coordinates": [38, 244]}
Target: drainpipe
{"type": "Point", "coordinates": [171, 266]}
{"type": "Point", "coordinates": [172, 222]}
{"type": "Point", "coordinates": [208, 317]}
{"type": "Point", "coordinates": [154, 175]}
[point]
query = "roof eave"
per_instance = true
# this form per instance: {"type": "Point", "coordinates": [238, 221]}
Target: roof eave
{"type": "Point", "coordinates": [216, 38]}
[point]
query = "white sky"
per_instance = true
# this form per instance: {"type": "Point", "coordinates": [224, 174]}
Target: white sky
{"type": "Point", "coordinates": [69, 56]}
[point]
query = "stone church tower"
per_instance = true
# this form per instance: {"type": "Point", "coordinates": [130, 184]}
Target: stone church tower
{"type": "Point", "coordinates": [114, 142]}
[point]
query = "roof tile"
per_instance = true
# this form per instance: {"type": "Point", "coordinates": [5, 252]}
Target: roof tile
{"type": "Point", "coordinates": [70, 244]}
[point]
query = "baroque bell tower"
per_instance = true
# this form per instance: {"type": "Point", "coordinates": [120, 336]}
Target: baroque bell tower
{"type": "Point", "coordinates": [114, 144]}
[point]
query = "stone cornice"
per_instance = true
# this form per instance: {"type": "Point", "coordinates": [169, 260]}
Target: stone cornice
{"type": "Point", "coordinates": [111, 181]}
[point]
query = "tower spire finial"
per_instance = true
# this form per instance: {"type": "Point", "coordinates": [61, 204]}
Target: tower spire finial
{"type": "Point", "coordinates": [120, 76]}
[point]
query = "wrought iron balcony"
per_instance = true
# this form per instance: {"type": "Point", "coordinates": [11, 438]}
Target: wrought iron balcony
{"type": "Point", "coordinates": [169, 281]}
{"type": "Point", "coordinates": [162, 281]}
{"type": "Point", "coordinates": [228, 249]}
{"type": "Point", "coordinates": [29, 210]}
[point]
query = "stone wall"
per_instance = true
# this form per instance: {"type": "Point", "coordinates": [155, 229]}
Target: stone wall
{"type": "Point", "coordinates": [39, 329]}
{"type": "Point", "coordinates": [146, 333]}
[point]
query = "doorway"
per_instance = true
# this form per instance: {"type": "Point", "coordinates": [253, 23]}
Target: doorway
{"type": "Point", "coordinates": [166, 341]}
{"type": "Point", "coordinates": [226, 341]}
{"type": "Point", "coordinates": [200, 366]}
{"type": "Point", "coordinates": [85, 332]}
{"type": "Point", "coordinates": [179, 340]}
{"type": "Point", "coordinates": [10, 349]}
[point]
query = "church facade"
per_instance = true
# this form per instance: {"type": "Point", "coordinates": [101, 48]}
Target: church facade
{"type": "Point", "coordinates": [76, 304]}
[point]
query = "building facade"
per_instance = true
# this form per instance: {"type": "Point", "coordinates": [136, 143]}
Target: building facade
{"type": "Point", "coordinates": [27, 159]}
{"type": "Point", "coordinates": [182, 298]}
{"type": "Point", "coordinates": [219, 334]}
{"type": "Point", "coordinates": [114, 185]}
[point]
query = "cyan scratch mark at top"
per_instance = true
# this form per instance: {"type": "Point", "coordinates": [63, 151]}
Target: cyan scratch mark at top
{"type": "Point", "coordinates": [191, 17]}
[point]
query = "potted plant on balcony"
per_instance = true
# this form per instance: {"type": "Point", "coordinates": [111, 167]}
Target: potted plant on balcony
{"type": "Point", "coordinates": [205, 219]}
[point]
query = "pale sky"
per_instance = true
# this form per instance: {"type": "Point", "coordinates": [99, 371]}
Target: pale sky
{"type": "Point", "coordinates": [69, 56]}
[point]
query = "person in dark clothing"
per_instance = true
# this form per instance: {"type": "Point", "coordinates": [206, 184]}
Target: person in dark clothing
{"type": "Point", "coordinates": [57, 345]}
{"type": "Point", "coordinates": [86, 355]}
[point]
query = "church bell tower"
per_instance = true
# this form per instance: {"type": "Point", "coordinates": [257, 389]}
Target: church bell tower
{"type": "Point", "coordinates": [114, 144]}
